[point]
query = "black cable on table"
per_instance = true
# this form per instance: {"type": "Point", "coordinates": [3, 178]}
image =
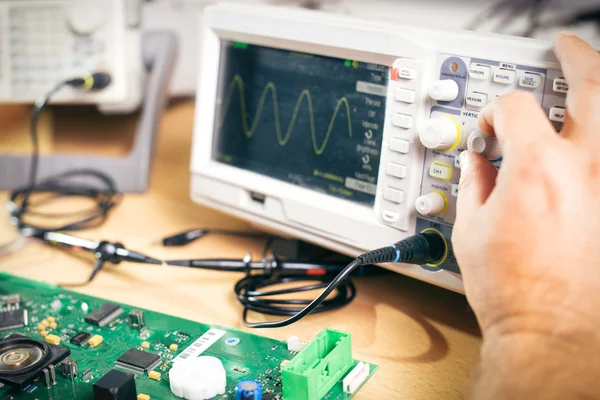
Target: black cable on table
{"type": "Point", "coordinates": [68, 184]}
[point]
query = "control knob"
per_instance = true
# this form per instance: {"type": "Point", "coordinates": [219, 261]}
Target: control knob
{"type": "Point", "coordinates": [430, 204]}
{"type": "Point", "coordinates": [439, 133]}
{"type": "Point", "coordinates": [486, 145]}
{"type": "Point", "coordinates": [443, 90]}
{"type": "Point", "coordinates": [86, 16]}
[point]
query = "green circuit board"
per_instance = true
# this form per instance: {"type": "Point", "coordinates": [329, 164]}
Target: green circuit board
{"type": "Point", "coordinates": [244, 356]}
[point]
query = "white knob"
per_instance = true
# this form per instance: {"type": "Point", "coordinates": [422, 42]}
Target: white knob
{"type": "Point", "coordinates": [86, 16]}
{"type": "Point", "coordinates": [444, 90]}
{"type": "Point", "coordinates": [433, 203]}
{"type": "Point", "coordinates": [438, 133]}
{"type": "Point", "coordinates": [485, 145]}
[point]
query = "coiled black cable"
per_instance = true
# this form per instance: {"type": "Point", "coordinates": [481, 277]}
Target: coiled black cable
{"type": "Point", "coordinates": [423, 248]}
{"type": "Point", "coordinates": [68, 184]}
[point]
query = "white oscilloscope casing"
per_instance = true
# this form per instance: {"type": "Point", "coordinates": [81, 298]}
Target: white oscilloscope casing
{"type": "Point", "coordinates": [45, 41]}
{"type": "Point", "coordinates": [302, 213]}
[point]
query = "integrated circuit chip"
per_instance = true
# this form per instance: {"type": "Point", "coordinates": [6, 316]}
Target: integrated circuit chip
{"type": "Point", "coordinates": [104, 315]}
{"type": "Point", "coordinates": [13, 319]}
{"type": "Point", "coordinates": [80, 339]}
{"type": "Point", "coordinates": [138, 361]}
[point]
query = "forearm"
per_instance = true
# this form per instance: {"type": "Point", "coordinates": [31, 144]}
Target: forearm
{"type": "Point", "coordinates": [535, 366]}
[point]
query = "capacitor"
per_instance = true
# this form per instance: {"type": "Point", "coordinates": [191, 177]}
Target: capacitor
{"type": "Point", "coordinates": [248, 390]}
{"type": "Point", "coordinates": [69, 368]}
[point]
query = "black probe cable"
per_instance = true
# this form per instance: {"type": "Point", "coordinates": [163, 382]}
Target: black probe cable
{"type": "Point", "coordinates": [424, 248]}
{"type": "Point", "coordinates": [106, 197]}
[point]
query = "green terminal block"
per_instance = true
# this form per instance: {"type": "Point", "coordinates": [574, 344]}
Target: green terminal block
{"type": "Point", "coordinates": [312, 373]}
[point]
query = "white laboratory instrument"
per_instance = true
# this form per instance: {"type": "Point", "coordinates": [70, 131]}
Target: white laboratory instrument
{"type": "Point", "coordinates": [346, 133]}
{"type": "Point", "coordinates": [43, 42]}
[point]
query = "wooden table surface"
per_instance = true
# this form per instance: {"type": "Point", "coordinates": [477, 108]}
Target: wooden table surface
{"type": "Point", "coordinates": [424, 339]}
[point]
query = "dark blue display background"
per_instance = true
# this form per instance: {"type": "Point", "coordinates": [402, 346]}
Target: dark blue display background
{"type": "Point", "coordinates": [250, 78]}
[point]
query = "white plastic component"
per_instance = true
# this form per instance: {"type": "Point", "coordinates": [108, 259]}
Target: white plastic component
{"type": "Point", "coordinates": [481, 72]}
{"type": "Point", "coordinates": [85, 307]}
{"type": "Point", "coordinates": [402, 121]}
{"type": "Point", "coordinates": [487, 146]}
{"type": "Point", "coordinates": [198, 378]}
{"type": "Point", "coordinates": [405, 96]}
{"type": "Point", "coordinates": [476, 99]}
{"type": "Point", "coordinates": [295, 344]}
{"type": "Point", "coordinates": [560, 85]}
{"type": "Point", "coordinates": [356, 377]}
{"type": "Point", "coordinates": [504, 76]}
{"type": "Point", "coordinates": [438, 133]}
{"type": "Point", "coordinates": [85, 17]}
{"type": "Point", "coordinates": [433, 203]}
{"type": "Point", "coordinates": [444, 90]}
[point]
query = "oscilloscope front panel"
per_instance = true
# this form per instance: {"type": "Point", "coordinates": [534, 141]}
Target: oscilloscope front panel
{"type": "Point", "coordinates": [326, 128]}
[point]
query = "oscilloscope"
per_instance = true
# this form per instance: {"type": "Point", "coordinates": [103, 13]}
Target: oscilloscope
{"type": "Point", "coordinates": [346, 132]}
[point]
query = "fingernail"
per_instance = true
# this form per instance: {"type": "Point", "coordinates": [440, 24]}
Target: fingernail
{"type": "Point", "coordinates": [564, 34]}
{"type": "Point", "coordinates": [567, 33]}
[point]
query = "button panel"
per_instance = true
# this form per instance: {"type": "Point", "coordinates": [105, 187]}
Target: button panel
{"type": "Point", "coordinates": [400, 158]}
{"type": "Point", "coordinates": [483, 81]}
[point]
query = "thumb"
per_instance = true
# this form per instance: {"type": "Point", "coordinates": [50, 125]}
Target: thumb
{"type": "Point", "coordinates": [477, 180]}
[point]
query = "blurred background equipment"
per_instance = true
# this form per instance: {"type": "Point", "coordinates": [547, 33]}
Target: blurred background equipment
{"type": "Point", "coordinates": [45, 43]}
{"type": "Point", "coordinates": [541, 19]}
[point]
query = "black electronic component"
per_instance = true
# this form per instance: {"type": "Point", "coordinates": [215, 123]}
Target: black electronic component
{"type": "Point", "coordinates": [136, 319]}
{"type": "Point", "coordinates": [80, 339]}
{"type": "Point", "coordinates": [115, 385]}
{"type": "Point", "coordinates": [268, 396]}
{"type": "Point", "coordinates": [138, 361]}
{"type": "Point", "coordinates": [104, 315]}
{"type": "Point", "coordinates": [13, 319]}
{"type": "Point", "coordinates": [23, 359]}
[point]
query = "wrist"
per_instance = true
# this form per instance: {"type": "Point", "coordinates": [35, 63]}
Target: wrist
{"type": "Point", "coordinates": [538, 364]}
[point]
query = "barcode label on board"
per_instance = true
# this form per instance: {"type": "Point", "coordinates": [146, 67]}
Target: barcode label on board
{"type": "Point", "coordinates": [200, 345]}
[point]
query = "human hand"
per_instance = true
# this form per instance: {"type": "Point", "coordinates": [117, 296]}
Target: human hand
{"type": "Point", "coordinates": [527, 238]}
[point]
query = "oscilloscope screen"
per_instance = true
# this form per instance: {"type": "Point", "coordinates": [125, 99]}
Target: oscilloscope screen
{"type": "Point", "coordinates": [309, 120]}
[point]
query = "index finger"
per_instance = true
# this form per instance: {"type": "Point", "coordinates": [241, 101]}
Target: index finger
{"type": "Point", "coordinates": [581, 67]}
{"type": "Point", "coordinates": [519, 123]}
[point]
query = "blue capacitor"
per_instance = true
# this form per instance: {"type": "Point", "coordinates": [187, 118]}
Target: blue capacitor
{"type": "Point", "coordinates": [248, 390]}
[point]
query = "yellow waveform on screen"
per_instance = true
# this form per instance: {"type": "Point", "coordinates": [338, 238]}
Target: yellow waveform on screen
{"type": "Point", "coordinates": [282, 139]}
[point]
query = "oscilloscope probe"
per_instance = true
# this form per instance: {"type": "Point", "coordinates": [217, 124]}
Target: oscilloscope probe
{"type": "Point", "coordinates": [424, 248]}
